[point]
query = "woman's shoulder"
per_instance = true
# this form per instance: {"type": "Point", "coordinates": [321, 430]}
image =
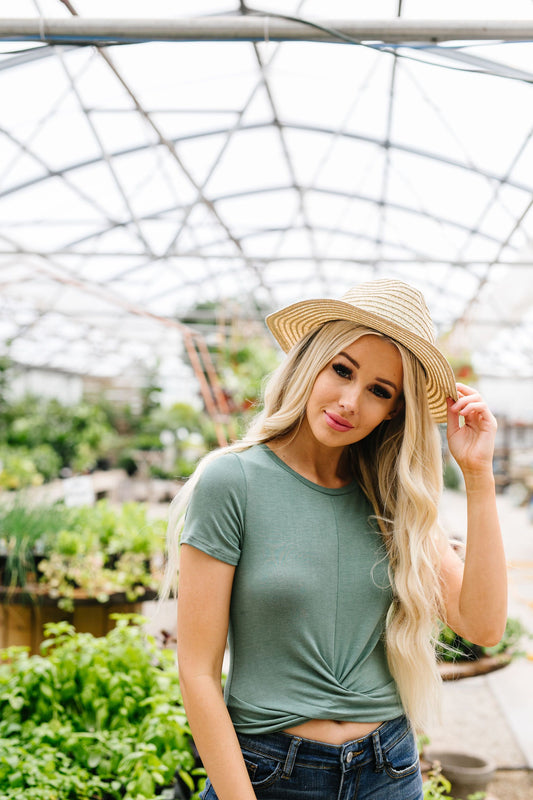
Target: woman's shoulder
{"type": "Point", "coordinates": [231, 469]}
{"type": "Point", "coordinates": [224, 468]}
{"type": "Point", "coordinates": [235, 471]}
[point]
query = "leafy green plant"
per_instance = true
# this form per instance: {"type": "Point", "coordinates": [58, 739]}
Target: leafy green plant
{"type": "Point", "coordinates": [77, 434]}
{"type": "Point", "coordinates": [436, 786]}
{"type": "Point", "coordinates": [100, 549]}
{"type": "Point", "coordinates": [105, 550]}
{"type": "Point", "coordinates": [453, 647]}
{"type": "Point", "coordinates": [94, 718]}
{"type": "Point", "coordinates": [18, 469]}
{"type": "Point", "coordinates": [244, 362]}
{"type": "Point", "coordinates": [515, 632]}
{"type": "Point", "coordinates": [187, 431]}
{"type": "Point", "coordinates": [40, 437]}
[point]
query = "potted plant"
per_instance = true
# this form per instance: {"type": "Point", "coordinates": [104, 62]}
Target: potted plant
{"type": "Point", "coordinates": [459, 775]}
{"type": "Point", "coordinates": [442, 777]}
{"type": "Point", "coordinates": [460, 658]}
{"type": "Point", "coordinates": [23, 529]}
{"type": "Point", "coordinates": [102, 551]}
{"type": "Point", "coordinates": [78, 561]}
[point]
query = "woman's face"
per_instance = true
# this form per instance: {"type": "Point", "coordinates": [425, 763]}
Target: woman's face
{"type": "Point", "coordinates": [358, 389]}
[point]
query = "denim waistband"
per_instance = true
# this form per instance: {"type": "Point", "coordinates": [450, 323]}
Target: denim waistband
{"type": "Point", "coordinates": [294, 749]}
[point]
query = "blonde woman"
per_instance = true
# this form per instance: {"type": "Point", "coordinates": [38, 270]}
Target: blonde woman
{"type": "Point", "coordinates": [314, 543]}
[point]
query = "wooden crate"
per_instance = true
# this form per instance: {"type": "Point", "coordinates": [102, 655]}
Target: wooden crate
{"type": "Point", "coordinates": [23, 616]}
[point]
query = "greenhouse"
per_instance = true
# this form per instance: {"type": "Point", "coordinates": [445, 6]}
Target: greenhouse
{"type": "Point", "coordinates": [171, 175]}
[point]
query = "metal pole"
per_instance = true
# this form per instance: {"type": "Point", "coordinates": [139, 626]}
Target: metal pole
{"type": "Point", "coordinates": [79, 30]}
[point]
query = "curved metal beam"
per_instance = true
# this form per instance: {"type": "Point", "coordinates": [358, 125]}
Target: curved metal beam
{"type": "Point", "coordinates": [401, 148]}
{"type": "Point", "coordinates": [289, 188]}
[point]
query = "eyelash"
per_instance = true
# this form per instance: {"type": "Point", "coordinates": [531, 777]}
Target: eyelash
{"type": "Point", "coordinates": [379, 391]}
{"type": "Point", "coordinates": [342, 370]}
{"type": "Point", "coordinates": [346, 372]}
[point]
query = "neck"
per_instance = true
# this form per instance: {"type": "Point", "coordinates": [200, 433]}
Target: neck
{"type": "Point", "coordinates": [326, 466]}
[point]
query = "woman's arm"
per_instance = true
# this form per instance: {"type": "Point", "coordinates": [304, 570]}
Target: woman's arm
{"type": "Point", "coordinates": [204, 594]}
{"type": "Point", "coordinates": [475, 594]}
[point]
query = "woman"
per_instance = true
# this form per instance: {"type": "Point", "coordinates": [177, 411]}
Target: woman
{"type": "Point", "coordinates": [315, 543]}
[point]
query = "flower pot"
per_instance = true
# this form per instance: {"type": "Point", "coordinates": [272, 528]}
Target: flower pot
{"type": "Point", "coordinates": [467, 773]}
{"type": "Point", "coordinates": [454, 670]}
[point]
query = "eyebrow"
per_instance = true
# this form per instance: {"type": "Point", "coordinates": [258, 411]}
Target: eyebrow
{"type": "Point", "coordinates": [354, 362]}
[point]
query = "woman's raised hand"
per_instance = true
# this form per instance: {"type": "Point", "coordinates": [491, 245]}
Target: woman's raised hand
{"type": "Point", "coordinates": [471, 444]}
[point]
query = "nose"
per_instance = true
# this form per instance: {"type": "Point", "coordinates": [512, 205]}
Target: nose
{"type": "Point", "coordinates": [349, 399]}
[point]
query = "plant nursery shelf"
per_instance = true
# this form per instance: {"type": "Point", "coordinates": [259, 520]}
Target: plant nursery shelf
{"type": "Point", "coordinates": [24, 613]}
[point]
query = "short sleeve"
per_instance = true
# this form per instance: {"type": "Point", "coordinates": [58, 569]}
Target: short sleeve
{"type": "Point", "coordinates": [214, 522]}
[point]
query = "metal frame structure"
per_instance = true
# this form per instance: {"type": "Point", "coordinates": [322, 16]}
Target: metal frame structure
{"type": "Point", "coordinates": [260, 27]}
{"type": "Point", "coordinates": [133, 268]}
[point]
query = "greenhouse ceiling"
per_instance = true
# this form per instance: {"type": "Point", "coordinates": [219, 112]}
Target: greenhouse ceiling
{"type": "Point", "coordinates": [198, 153]}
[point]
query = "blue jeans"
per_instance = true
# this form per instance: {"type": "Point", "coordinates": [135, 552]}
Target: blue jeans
{"type": "Point", "coordinates": [381, 766]}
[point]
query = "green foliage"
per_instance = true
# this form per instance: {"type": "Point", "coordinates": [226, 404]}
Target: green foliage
{"type": "Point", "coordinates": [451, 476]}
{"type": "Point", "coordinates": [244, 363]}
{"type": "Point", "coordinates": [104, 550]}
{"type": "Point", "coordinates": [452, 647]}
{"type": "Point", "coordinates": [39, 437]}
{"type": "Point", "coordinates": [514, 633]}
{"type": "Point", "coordinates": [242, 354]}
{"type": "Point", "coordinates": [5, 368]}
{"type": "Point", "coordinates": [181, 423]}
{"type": "Point", "coordinates": [21, 467]}
{"type": "Point", "coordinates": [436, 786]}
{"type": "Point", "coordinates": [47, 461]}
{"type": "Point", "coordinates": [179, 415]}
{"type": "Point", "coordinates": [184, 467]}
{"type": "Point", "coordinates": [92, 717]}
{"type": "Point", "coordinates": [17, 468]}
{"type": "Point", "coordinates": [101, 549]}
{"type": "Point", "coordinates": [23, 531]}
{"type": "Point", "coordinates": [78, 434]}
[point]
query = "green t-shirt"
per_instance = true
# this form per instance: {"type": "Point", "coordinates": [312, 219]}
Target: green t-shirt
{"type": "Point", "coordinates": [310, 594]}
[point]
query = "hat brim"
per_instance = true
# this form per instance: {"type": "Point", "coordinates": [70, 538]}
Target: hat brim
{"type": "Point", "coordinates": [289, 325]}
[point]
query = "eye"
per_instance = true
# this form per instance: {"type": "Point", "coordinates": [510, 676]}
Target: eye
{"type": "Point", "coordinates": [342, 370]}
{"type": "Point", "coordinates": [381, 392]}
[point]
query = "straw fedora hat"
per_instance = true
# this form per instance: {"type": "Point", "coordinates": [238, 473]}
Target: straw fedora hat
{"type": "Point", "coordinates": [391, 307]}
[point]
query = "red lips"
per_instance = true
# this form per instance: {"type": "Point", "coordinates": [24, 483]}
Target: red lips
{"type": "Point", "coordinates": [336, 422]}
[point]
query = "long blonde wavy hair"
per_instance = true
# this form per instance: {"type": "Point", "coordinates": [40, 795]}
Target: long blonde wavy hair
{"type": "Point", "coordinates": [399, 468]}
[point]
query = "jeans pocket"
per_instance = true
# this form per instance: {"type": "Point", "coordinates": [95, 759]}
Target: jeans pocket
{"type": "Point", "coordinates": [208, 793]}
{"type": "Point", "coordinates": [401, 759]}
{"type": "Point", "coordinates": [263, 770]}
